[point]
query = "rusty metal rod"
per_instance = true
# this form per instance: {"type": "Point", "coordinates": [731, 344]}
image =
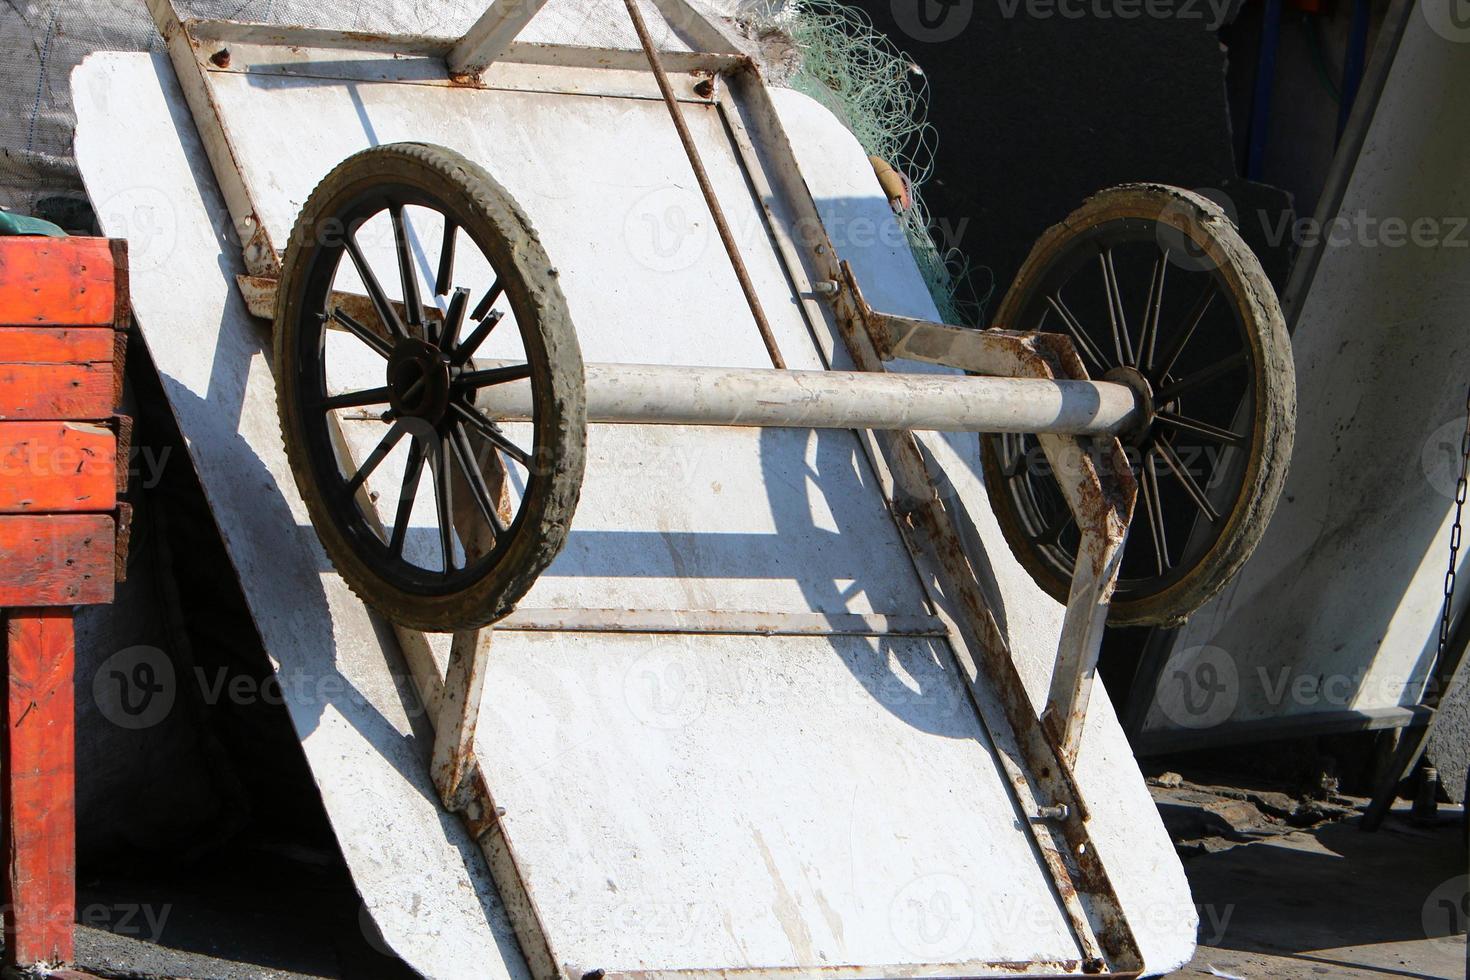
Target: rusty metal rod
{"type": "Point", "coordinates": [659, 394]}
{"type": "Point", "coordinates": [706, 187]}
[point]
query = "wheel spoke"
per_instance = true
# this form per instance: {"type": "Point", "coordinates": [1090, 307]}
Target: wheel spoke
{"type": "Point", "coordinates": [380, 453]}
{"type": "Point", "coordinates": [1116, 318]}
{"type": "Point", "coordinates": [443, 503]}
{"type": "Point", "coordinates": [362, 333]}
{"type": "Point", "coordinates": [1171, 392]}
{"type": "Point", "coordinates": [355, 399]}
{"type": "Point", "coordinates": [413, 307]}
{"type": "Point", "coordinates": [446, 258]}
{"type": "Point", "coordinates": [1052, 533]}
{"type": "Point", "coordinates": [1150, 337]}
{"type": "Point", "coordinates": [465, 454]}
{"type": "Point", "coordinates": [1154, 507]}
{"type": "Point", "coordinates": [1203, 428]}
{"type": "Point", "coordinates": [406, 496]}
{"type": "Point", "coordinates": [1191, 323]}
{"type": "Point", "coordinates": [453, 318]}
{"type": "Point", "coordinates": [1079, 336]}
{"type": "Point", "coordinates": [466, 350]}
{"type": "Point", "coordinates": [493, 376]}
{"type": "Point", "coordinates": [486, 428]}
{"type": "Point", "coordinates": [482, 308]}
{"type": "Point", "coordinates": [386, 313]}
{"type": "Point", "coordinates": [1195, 491]}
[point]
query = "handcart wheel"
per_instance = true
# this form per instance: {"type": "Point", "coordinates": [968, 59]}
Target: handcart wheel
{"type": "Point", "coordinates": [1157, 291]}
{"type": "Point", "coordinates": [376, 337]}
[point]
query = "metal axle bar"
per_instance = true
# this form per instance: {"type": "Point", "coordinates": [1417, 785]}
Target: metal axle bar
{"type": "Point", "coordinates": [676, 395]}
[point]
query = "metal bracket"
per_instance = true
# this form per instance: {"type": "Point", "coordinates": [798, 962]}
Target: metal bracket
{"type": "Point", "coordinates": [1091, 470]}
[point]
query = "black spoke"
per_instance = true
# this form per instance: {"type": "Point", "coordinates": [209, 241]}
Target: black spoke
{"type": "Point", "coordinates": [482, 308]}
{"type": "Point", "coordinates": [406, 496]}
{"type": "Point", "coordinates": [386, 313]}
{"type": "Point", "coordinates": [472, 343]}
{"type": "Point", "coordinates": [1191, 323]}
{"type": "Point", "coordinates": [362, 333]}
{"type": "Point", "coordinates": [1150, 337]}
{"type": "Point", "coordinates": [1052, 533]}
{"type": "Point", "coordinates": [444, 502]}
{"type": "Point", "coordinates": [1203, 428]}
{"type": "Point", "coordinates": [453, 318]}
{"type": "Point", "coordinates": [464, 452]}
{"type": "Point", "coordinates": [446, 258]}
{"type": "Point", "coordinates": [494, 376]}
{"type": "Point", "coordinates": [355, 399]}
{"type": "Point", "coordinates": [1079, 336]}
{"type": "Point", "coordinates": [1191, 487]}
{"type": "Point", "coordinates": [1169, 393]}
{"type": "Point", "coordinates": [1116, 318]}
{"type": "Point", "coordinates": [377, 456]}
{"type": "Point", "coordinates": [1153, 506]}
{"type": "Point", "coordinates": [413, 307]}
{"type": "Point", "coordinates": [486, 428]}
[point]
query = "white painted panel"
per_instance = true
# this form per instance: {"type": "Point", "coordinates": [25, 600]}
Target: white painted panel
{"type": "Point", "coordinates": [681, 801]}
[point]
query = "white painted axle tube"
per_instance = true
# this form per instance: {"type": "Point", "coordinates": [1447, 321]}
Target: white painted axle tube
{"type": "Point", "coordinates": [670, 395]}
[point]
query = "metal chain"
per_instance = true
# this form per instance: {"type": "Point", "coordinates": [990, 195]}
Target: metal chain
{"type": "Point", "coordinates": [1449, 576]}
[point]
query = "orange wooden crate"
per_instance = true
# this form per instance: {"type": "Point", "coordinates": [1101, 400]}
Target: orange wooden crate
{"type": "Point", "coordinates": [63, 462]}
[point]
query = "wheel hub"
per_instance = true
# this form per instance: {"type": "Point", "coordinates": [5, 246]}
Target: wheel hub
{"type": "Point", "coordinates": [418, 381]}
{"type": "Point", "coordinates": [1143, 395]}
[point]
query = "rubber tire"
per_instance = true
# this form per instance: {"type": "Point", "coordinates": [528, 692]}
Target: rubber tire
{"type": "Point", "coordinates": [1207, 225]}
{"type": "Point", "coordinates": [532, 290]}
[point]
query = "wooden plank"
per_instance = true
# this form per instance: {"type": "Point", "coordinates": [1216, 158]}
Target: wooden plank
{"type": "Point", "coordinates": [61, 560]}
{"type": "Point", "coordinates": [57, 467]}
{"type": "Point", "coordinates": [58, 345]}
{"type": "Point", "coordinates": [38, 759]}
{"type": "Point", "coordinates": [39, 392]}
{"type": "Point", "coordinates": [59, 282]}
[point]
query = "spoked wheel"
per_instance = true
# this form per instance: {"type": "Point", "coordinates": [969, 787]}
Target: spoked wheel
{"type": "Point", "coordinates": [1157, 291]}
{"type": "Point", "coordinates": [435, 515]}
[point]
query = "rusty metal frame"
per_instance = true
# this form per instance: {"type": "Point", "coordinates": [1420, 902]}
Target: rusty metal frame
{"type": "Point", "coordinates": [1036, 753]}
